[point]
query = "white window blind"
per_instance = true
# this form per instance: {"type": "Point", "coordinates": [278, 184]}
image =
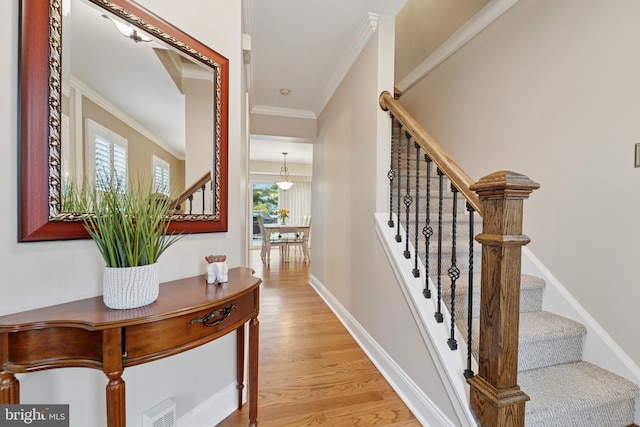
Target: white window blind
{"type": "Point", "coordinates": [161, 175]}
{"type": "Point", "coordinates": [106, 157]}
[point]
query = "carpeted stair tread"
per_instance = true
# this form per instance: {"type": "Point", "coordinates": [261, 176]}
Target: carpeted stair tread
{"type": "Point", "coordinates": [577, 394]}
{"type": "Point", "coordinates": [538, 326]}
{"type": "Point", "coordinates": [545, 339]}
{"type": "Point", "coordinates": [548, 339]}
{"type": "Point", "coordinates": [531, 291]}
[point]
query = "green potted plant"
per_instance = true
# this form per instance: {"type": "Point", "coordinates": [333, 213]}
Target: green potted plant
{"type": "Point", "coordinates": [129, 224]}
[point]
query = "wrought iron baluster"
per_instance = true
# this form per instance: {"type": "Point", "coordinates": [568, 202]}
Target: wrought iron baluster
{"type": "Point", "coordinates": [454, 271]}
{"type": "Point", "coordinates": [204, 186]}
{"type": "Point", "coordinates": [438, 314]}
{"type": "Point", "coordinates": [416, 271]}
{"type": "Point", "coordinates": [391, 175]}
{"type": "Point", "coordinates": [190, 204]}
{"type": "Point", "coordinates": [468, 373]}
{"type": "Point", "coordinates": [408, 200]}
{"type": "Point", "coordinates": [399, 155]}
{"type": "Point", "coordinates": [427, 231]}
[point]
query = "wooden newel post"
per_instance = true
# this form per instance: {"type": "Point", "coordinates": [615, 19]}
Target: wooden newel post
{"type": "Point", "coordinates": [496, 398]}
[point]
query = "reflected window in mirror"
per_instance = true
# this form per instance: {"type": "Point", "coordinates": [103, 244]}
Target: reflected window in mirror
{"type": "Point", "coordinates": [107, 158]}
{"type": "Point", "coordinates": [161, 175]}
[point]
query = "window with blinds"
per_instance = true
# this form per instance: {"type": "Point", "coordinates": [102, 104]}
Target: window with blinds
{"type": "Point", "coordinates": [106, 157]}
{"type": "Point", "coordinates": [161, 175]}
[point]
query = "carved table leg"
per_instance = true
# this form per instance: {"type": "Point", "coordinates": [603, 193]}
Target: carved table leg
{"type": "Point", "coordinates": [116, 409]}
{"type": "Point", "coordinates": [240, 363]}
{"type": "Point", "coordinates": [9, 384]}
{"type": "Point", "coordinates": [112, 366]}
{"type": "Point", "coordinates": [253, 372]}
{"type": "Point", "coordinates": [9, 389]}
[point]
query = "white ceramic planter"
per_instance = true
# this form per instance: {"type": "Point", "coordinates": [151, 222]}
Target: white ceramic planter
{"type": "Point", "coordinates": [222, 271]}
{"type": "Point", "coordinates": [217, 272]}
{"type": "Point", "coordinates": [130, 287]}
{"type": "Point", "coordinates": [211, 273]}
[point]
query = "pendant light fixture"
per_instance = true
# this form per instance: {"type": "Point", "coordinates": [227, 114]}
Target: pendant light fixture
{"type": "Point", "coordinates": [284, 182]}
{"type": "Point", "coordinates": [128, 31]}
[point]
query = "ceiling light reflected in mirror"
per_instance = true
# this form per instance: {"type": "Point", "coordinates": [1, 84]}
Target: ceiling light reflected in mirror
{"type": "Point", "coordinates": [128, 31]}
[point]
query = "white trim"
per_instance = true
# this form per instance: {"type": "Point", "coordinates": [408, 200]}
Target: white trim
{"type": "Point", "coordinates": [85, 90]}
{"type": "Point", "coordinates": [65, 148]}
{"type": "Point", "coordinates": [284, 112]}
{"type": "Point", "coordinates": [195, 71]}
{"type": "Point", "coordinates": [366, 30]}
{"type": "Point", "coordinates": [275, 138]}
{"type": "Point", "coordinates": [213, 410]}
{"type": "Point", "coordinates": [249, 25]}
{"type": "Point", "coordinates": [75, 109]}
{"type": "Point", "coordinates": [464, 34]}
{"type": "Point", "coordinates": [450, 364]}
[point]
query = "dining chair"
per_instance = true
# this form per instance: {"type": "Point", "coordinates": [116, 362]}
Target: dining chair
{"type": "Point", "coordinates": [302, 238]}
{"type": "Point", "coordinates": [268, 242]}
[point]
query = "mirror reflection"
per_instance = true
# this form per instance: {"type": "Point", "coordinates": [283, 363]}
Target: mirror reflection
{"type": "Point", "coordinates": [135, 108]}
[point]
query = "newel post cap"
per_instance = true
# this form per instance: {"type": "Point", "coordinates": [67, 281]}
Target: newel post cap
{"type": "Point", "coordinates": [505, 184]}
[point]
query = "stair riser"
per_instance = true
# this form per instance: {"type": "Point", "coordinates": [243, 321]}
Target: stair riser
{"type": "Point", "coordinates": [534, 354]}
{"type": "Point", "coordinates": [530, 299]}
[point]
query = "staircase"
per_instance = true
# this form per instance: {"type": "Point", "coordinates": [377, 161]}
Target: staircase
{"type": "Point", "coordinates": [563, 389]}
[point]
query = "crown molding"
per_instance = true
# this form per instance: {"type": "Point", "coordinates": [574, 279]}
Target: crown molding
{"type": "Point", "coordinates": [284, 112]}
{"type": "Point", "coordinates": [122, 116]}
{"type": "Point", "coordinates": [367, 29]}
{"type": "Point", "coordinates": [481, 20]}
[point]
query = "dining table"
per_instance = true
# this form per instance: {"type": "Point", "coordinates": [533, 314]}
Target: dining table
{"type": "Point", "coordinates": [300, 235]}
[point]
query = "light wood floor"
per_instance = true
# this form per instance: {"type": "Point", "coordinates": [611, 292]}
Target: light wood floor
{"type": "Point", "coordinates": [311, 370]}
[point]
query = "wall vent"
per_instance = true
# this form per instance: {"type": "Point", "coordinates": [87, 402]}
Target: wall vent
{"type": "Point", "coordinates": [161, 415]}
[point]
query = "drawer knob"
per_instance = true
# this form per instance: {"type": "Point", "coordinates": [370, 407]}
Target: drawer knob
{"type": "Point", "coordinates": [210, 319]}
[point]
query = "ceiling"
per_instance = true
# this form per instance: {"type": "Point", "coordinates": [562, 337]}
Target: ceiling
{"type": "Point", "coordinates": [300, 46]}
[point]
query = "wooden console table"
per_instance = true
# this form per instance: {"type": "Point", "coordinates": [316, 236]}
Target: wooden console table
{"type": "Point", "coordinates": [85, 333]}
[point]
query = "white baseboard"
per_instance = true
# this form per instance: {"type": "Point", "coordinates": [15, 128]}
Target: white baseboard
{"type": "Point", "coordinates": [419, 403]}
{"type": "Point", "coordinates": [213, 410]}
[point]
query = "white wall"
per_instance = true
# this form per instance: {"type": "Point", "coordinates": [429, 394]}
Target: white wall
{"type": "Point", "coordinates": [551, 90]}
{"type": "Point", "coordinates": [347, 257]}
{"type": "Point", "coordinates": [39, 274]}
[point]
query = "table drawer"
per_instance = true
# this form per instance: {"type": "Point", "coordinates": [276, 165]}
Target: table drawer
{"type": "Point", "coordinates": [168, 336]}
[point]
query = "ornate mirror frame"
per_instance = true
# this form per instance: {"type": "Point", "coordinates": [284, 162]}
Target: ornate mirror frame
{"type": "Point", "coordinates": [40, 119]}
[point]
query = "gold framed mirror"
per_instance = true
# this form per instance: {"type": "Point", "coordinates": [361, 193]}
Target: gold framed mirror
{"type": "Point", "coordinates": [60, 104]}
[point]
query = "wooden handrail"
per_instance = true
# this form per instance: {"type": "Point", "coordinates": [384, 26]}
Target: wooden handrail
{"type": "Point", "coordinates": [456, 175]}
{"type": "Point", "coordinates": [189, 191]}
